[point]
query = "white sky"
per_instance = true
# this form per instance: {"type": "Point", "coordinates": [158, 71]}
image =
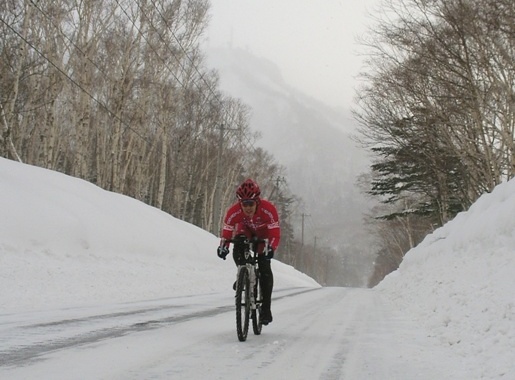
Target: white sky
{"type": "Point", "coordinates": [312, 42]}
{"type": "Point", "coordinates": [78, 263]}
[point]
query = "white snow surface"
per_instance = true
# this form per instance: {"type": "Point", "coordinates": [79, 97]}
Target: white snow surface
{"type": "Point", "coordinates": [96, 285]}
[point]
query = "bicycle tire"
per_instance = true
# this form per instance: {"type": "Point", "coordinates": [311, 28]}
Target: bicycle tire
{"type": "Point", "coordinates": [256, 314]}
{"type": "Point", "coordinates": [242, 304]}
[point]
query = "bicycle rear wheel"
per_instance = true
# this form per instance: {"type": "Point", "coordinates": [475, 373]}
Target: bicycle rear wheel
{"type": "Point", "coordinates": [256, 314]}
{"type": "Point", "coordinates": [242, 304]}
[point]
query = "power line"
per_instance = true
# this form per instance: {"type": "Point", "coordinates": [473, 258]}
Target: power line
{"type": "Point", "coordinates": [65, 36]}
{"type": "Point", "coordinates": [73, 81]}
{"type": "Point", "coordinates": [210, 92]}
{"type": "Point", "coordinates": [194, 66]}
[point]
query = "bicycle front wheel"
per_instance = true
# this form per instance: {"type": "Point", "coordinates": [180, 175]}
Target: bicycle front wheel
{"type": "Point", "coordinates": [242, 304]}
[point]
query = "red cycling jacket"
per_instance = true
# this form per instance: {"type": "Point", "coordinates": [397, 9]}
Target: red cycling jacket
{"type": "Point", "coordinates": [264, 224]}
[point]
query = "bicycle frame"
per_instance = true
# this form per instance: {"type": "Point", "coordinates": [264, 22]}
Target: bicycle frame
{"type": "Point", "coordinates": [252, 267]}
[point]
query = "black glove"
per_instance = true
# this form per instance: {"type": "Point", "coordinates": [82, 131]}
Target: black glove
{"type": "Point", "coordinates": [269, 253]}
{"type": "Point", "coordinates": [222, 252]}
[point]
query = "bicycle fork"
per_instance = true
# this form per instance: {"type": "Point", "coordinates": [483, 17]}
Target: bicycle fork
{"type": "Point", "coordinates": [252, 278]}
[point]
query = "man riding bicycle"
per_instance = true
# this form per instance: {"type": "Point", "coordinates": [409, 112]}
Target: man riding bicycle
{"type": "Point", "coordinates": [253, 217]}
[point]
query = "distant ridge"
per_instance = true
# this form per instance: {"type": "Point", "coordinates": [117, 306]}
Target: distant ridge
{"type": "Point", "coordinates": [309, 138]}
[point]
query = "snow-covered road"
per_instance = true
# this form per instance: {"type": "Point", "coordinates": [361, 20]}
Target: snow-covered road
{"type": "Point", "coordinates": [326, 333]}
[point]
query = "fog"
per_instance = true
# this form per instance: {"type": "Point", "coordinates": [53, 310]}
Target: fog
{"type": "Point", "coordinates": [313, 43]}
{"type": "Point", "coordinates": [322, 163]}
{"type": "Point", "coordinates": [295, 63]}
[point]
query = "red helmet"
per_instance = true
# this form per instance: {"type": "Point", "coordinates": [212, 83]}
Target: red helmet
{"type": "Point", "coordinates": [248, 190]}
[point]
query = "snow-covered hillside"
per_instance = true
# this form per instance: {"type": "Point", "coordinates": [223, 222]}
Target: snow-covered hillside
{"type": "Point", "coordinates": [66, 242]}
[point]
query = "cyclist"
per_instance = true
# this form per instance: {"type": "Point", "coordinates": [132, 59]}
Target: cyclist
{"type": "Point", "coordinates": [254, 217]}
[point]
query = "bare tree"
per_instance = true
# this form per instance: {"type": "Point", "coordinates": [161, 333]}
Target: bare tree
{"type": "Point", "coordinates": [428, 90]}
{"type": "Point", "coordinates": [437, 105]}
{"type": "Point", "coordinates": [17, 54]}
{"type": "Point", "coordinates": [116, 92]}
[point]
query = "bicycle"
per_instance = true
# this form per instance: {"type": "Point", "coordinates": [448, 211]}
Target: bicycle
{"type": "Point", "coordinates": [248, 298]}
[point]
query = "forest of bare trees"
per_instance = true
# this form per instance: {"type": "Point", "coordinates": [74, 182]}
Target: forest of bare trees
{"type": "Point", "coordinates": [116, 92]}
{"type": "Point", "coordinates": [437, 109]}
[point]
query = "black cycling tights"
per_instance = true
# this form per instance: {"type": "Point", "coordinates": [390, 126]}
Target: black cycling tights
{"type": "Point", "coordinates": [267, 281]}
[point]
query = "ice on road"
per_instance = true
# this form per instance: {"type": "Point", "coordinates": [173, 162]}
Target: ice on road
{"type": "Point", "coordinates": [325, 333]}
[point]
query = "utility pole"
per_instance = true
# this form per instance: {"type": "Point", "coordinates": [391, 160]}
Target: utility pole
{"type": "Point", "coordinates": [302, 235]}
{"type": "Point", "coordinates": [276, 187]}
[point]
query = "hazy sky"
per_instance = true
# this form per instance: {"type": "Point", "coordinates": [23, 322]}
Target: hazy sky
{"type": "Point", "coordinates": [312, 41]}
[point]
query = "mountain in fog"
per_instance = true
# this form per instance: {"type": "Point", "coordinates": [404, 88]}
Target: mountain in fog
{"type": "Point", "coordinates": [311, 140]}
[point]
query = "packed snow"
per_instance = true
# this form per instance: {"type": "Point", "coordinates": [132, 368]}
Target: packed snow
{"type": "Point", "coordinates": [460, 284]}
{"type": "Point", "coordinates": [72, 252]}
{"type": "Point", "coordinates": [66, 242]}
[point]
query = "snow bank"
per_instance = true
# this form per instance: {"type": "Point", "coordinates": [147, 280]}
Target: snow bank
{"type": "Point", "coordinates": [65, 242]}
{"type": "Point", "coordinates": [460, 281]}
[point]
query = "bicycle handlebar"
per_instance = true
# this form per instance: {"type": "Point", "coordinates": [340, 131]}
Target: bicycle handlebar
{"type": "Point", "coordinates": [247, 240]}
{"type": "Point", "coordinates": [251, 243]}
{"type": "Point", "coordinates": [250, 253]}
